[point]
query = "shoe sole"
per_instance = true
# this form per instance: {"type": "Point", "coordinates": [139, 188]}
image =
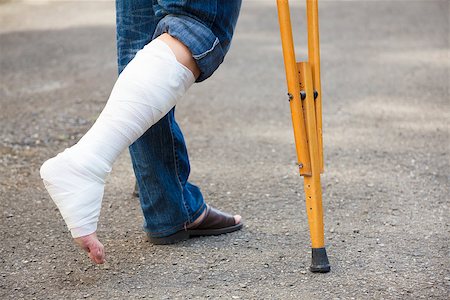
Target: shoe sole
{"type": "Point", "coordinates": [184, 235]}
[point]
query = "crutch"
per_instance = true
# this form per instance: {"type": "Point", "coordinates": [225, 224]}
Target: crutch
{"type": "Point", "coordinates": [304, 92]}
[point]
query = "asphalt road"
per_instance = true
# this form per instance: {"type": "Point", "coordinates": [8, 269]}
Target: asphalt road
{"type": "Point", "coordinates": [385, 71]}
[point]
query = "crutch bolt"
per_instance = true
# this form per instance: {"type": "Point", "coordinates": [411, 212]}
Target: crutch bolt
{"type": "Point", "coordinates": [290, 97]}
{"type": "Point", "coordinates": [300, 165]}
{"type": "Point", "coordinates": [319, 262]}
{"type": "Point", "coordinates": [302, 95]}
{"type": "Point", "coordinates": [316, 94]}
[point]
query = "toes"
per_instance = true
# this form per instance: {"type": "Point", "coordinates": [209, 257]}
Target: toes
{"type": "Point", "coordinates": [95, 249]}
{"type": "Point", "coordinates": [237, 219]}
{"type": "Point", "coordinates": [97, 254]}
{"type": "Point", "coordinates": [102, 255]}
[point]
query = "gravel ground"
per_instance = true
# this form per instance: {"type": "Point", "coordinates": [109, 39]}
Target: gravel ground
{"type": "Point", "coordinates": [386, 133]}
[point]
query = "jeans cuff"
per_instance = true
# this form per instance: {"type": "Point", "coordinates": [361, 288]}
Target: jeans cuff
{"type": "Point", "coordinates": [201, 41]}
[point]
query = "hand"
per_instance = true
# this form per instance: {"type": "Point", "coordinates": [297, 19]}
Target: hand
{"type": "Point", "coordinates": [92, 246]}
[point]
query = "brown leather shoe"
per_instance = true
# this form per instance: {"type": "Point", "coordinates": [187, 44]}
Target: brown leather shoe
{"type": "Point", "coordinates": [214, 222]}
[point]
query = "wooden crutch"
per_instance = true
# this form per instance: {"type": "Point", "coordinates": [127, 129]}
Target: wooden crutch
{"type": "Point", "coordinates": [304, 91]}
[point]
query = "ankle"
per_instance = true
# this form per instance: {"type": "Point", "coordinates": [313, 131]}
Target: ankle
{"type": "Point", "coordinates": [198, 220]}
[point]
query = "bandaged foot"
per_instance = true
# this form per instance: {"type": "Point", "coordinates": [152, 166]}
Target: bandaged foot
{"type": "Point", "coordinates": [147, 89]}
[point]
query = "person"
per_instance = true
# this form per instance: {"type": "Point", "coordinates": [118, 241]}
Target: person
{"type": "Point", "coordinates": [163, 47]}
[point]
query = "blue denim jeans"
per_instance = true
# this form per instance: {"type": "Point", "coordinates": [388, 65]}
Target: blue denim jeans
{"type": "Point", "coordinates": [160, 159]}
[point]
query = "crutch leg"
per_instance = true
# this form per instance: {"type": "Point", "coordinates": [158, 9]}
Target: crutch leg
{"type": "Point", "coordinates": [312, 184]}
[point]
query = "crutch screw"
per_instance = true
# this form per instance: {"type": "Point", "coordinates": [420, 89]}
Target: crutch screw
{"type": "Point", "coordinates": [300, 165]}
{"type": "Point", "coordinates": [290, 97]}
{"type": "Point", "coordinates": [302, 95]}
{"type": "Point", "coordinates": [316, 94]}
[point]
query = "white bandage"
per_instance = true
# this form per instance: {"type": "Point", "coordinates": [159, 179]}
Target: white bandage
{"type": "Point", "coordinates": [147, 89]}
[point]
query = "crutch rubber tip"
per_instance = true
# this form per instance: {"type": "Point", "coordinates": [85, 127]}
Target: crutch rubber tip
{"type": "Point", "coordinates": [319, 262]}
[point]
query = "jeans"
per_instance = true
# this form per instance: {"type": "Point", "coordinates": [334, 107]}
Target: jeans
{"type": "Point", "coordinates": [160, 159]}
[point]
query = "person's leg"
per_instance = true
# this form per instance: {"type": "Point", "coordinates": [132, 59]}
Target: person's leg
{"type": "Point", "coordinates": [169, 202]}
{"type": "Point", "coordinates": [160, 157]}
{"type": "Point", "coordinates": [161, 165]}
{"type": "Point", "coordinates": [146, 90]}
